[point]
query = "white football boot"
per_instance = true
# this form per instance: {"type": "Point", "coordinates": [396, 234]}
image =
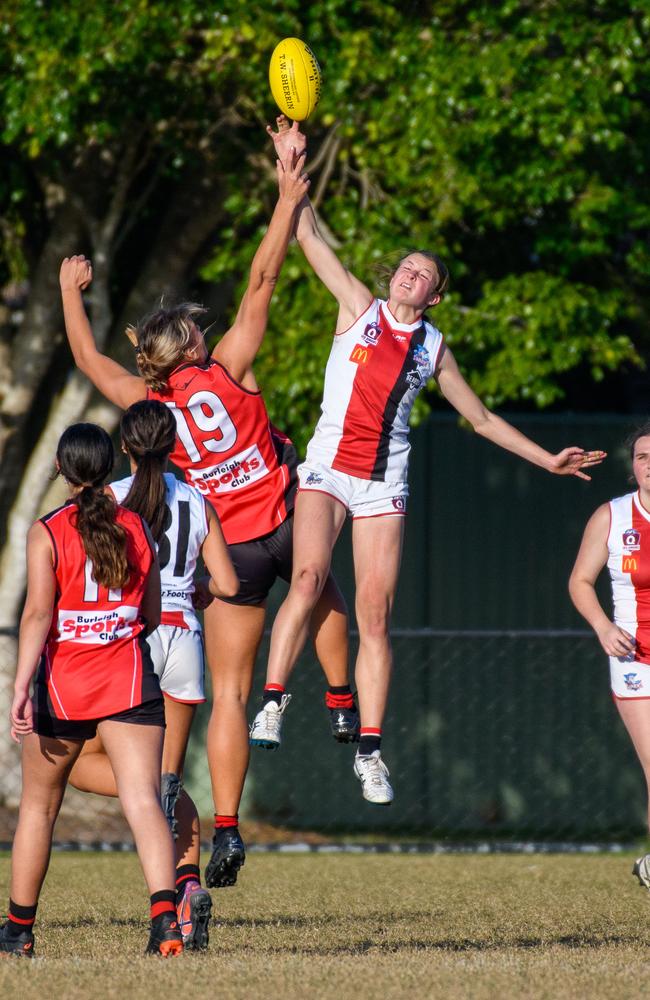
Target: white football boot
{"type": "Point", "coordinates": [642, 870]}
{"type": "Point", "coordinates": [267, 725]}
{"type": "Point", "coordinates": [373, 775]}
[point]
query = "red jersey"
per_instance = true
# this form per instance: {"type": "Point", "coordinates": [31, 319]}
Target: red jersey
{"type": "Point", "coordinates": [96, 661]}
{"type": "Point", "coordinates": [227, 448]}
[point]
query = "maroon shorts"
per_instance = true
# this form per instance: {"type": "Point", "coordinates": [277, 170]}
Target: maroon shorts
{"type": "Point", "coordinates": [149, 713]}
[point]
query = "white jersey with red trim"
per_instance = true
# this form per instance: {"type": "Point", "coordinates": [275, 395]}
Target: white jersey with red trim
{"type": "Point", "coordinates": [628, 563]}
{"type": "Point", "coordinates": [375, 371]}
{"type": "Point", "coordinates": [185, 529]}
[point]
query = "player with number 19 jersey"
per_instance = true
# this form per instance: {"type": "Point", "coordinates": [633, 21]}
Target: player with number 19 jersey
{"type": "Point", "coordinates": [229, 450]}
{"type": "Point", "coordinates": [96, 661]}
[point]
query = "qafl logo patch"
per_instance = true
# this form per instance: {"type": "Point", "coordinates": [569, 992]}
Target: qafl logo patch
{"type": "Point", "coordinates": [631, 540]}
{"type": "Point", "coordinates": [371, 334]}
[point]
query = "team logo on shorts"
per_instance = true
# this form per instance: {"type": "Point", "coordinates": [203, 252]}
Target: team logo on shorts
{"type": "Point", "coordinates": [371, 334]}
{"type": "Point", "coordinates": [631, 683]}
{"type": "Point", "coordinates": [631, 540]}
{"type": "Point", "coordinates": [313, 479]}
{"type": "Point", "coordinates": [399, 503]}
{"type": "Point", "coordinates": [360, 354]}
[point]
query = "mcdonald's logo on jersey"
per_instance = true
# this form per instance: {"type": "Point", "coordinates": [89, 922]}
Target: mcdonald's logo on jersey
{"type": "Point", "coordinates": [360, 354]}
{"type": "Point", "coordinates": [630, 564]}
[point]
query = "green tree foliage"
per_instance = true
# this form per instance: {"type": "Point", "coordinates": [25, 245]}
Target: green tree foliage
{"type": "Point", "coordinates": [511, 137]}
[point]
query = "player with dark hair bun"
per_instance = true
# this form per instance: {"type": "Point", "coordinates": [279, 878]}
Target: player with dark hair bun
{"type": "Point", "coordinates": [93, 594]}
{"type": "Point", "coordinates": [184, 526]}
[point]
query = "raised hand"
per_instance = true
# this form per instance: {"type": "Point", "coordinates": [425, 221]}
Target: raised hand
{"type": "Point", "coordinates": [293, 181]}
{"type": "Point", "coordinates": [287, 138]}
{"type": "Point", "coordinates": [571, 462]}
{"type": "Point", "coordinates": [76, 272]}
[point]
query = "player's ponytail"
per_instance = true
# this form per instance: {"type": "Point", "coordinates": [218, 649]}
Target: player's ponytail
{"type": "Point", "coordinates": [85, 458]}
{"type": "Point", "coordinates": [162, 341]}
{"type": "Point", "coordinates": [148, 432]}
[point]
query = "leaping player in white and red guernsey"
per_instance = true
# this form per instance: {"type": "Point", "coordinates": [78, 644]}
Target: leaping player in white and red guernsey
{"type": "Point", "coordinates": [383, 354]}
{"type": "Point", "coordinates": [93, 594]}
{"type": "Point", "coordinates": [618, 536]}
{"type": "Point", "coordinates": [245, 468]}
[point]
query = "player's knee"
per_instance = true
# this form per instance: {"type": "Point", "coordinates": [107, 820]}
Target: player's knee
{"type": "Point", "coordinates": [373, 616]}
{"type": "Point", "coordinates": [307, 584]}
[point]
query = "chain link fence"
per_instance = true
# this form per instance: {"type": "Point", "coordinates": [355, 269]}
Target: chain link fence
{"type": "Point", "coordinates": [504, 733]}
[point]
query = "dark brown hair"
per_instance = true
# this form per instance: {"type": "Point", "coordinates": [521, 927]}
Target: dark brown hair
{"type": "Point", "coordinates": [640, 432]}
{"type": "Point", "coordinates": [148, 432]}
{"type": "Point", "coordinates": [162, 340]}
{"type": "Point", "coordinates": [85, 456]}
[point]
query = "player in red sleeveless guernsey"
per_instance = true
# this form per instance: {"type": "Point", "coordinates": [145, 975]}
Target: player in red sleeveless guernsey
{"type": "Point", "coordinates": [383, 354]}
{"type": "Point", "coordinates": [618, 536]}
{"type": "Point", "coordinates": [93, 594]}
{"type": "Point", "coordinates": [184, 527]}
{"type": "Point", "coordinates": [228, 449]}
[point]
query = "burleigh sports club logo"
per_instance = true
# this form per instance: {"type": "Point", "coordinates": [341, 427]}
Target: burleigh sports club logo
{"type": "Point", "coordinates": [631, 682]}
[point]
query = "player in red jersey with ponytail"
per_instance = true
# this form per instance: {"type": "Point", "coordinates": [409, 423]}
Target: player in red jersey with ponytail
{"type": "Point", "coordinates": [246, 468]}
{"type": "Point", "coordinates": [93, 595]}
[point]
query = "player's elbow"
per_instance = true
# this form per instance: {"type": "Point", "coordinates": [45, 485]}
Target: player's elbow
{"type": "Point", "coordinates": [224, 585]}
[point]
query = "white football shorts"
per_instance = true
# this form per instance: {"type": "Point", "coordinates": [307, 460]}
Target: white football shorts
{"type": "Point", "coordinates": [360, 497]}
{"type": "Point", "coordinates": [179, 662]}
{"type": "Point", "coordinates": [630, 679]}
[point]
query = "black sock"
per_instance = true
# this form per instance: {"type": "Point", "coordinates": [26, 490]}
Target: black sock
{"type": "Point", "coordinates": [21, 918]}
{"type": "Point", "coordinates": [185, 874]}
{"type": "Point", "coordinates": [162, 902]}
{"type": "Point", "coordinates": [273, 693]}
{"type": "Point", "coordinates": [368, 743]}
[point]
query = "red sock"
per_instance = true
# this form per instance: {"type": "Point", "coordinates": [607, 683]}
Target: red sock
{"type": "Point", "coordinates": [220, 822]}
{"type": "Point", "coordinates": [334, 698]}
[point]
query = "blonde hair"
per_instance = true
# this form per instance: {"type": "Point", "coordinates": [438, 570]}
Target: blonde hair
{"type": "Point", "coordinates": [162, 341]}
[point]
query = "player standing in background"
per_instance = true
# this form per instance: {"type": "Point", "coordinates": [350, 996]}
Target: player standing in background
{"type": "Point", "coordinates": [227, 447]}
{"type": "Point", "coordinates": [383, 354]}
{"type": "Point", "coordinates": [183, 526]}
{"type": "Point", "coordinates": [93, 593]}
{"type": "Point", "coordinates": [618, 536]}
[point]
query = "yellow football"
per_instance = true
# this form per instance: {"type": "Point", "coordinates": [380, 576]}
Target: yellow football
{"type": "Point", "coordinates": [295, 78]}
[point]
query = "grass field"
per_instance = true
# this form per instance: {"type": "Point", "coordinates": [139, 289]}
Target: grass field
{"type": "Point", "coordinates": [373, 926]}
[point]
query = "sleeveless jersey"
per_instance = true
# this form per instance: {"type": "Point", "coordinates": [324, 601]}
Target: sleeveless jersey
{"type": "Point", "coordinates": [227, 448]}
{"type": "Point", "coordinates": [628, 563]}
{"type": "Point", "coordinates": [375, 371]}
{"type": "Point", "coordinates": [185, 527]}
{"type": "Point", "coordinates": [96, 661]}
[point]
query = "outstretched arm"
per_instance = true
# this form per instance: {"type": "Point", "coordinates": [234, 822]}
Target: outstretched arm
{"type": "Point", "coordinates": [112, 380]}
{"type": "Point", "coordinates": [569, 462]}
{"type": "Point", "coordinates": [590, 560]}
{"type": "Point", "coordinates": [351, 294]}
{"type": "Point", "coordinates": [238, 348]}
